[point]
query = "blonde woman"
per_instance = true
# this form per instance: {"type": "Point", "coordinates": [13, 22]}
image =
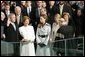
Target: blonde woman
{"type": "Point", "coordinates": [27, 43]}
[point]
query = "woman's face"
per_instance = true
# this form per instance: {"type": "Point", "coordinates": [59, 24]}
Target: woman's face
{"type": "Point", "coordinates": [26, 22]}
{"type": "Point", "coordinates": [42, 20]}
{"type": "Point", "coordinates": [43, 12]}
{"type": "Point", "coordinates": [66, 17]}
{"type": "Point", "coordinates": [57, 17]}
{"type": "Point", "coordinates": [44, 4]}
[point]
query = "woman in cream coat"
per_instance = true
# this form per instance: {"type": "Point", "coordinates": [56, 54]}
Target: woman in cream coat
{"type": "Point", "coordinates": [27, 43]}
{"type": "Point", "coordinates": [42, 37]}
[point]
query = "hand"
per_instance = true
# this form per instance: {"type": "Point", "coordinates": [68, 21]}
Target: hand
{"type": "Point", "coordinates": [41, 45]}
{"type": "Point", "coordinates": [4, 36]}
{"type": "Point", "coordinates": [8, 21]}
{"type": "Point", "coordinates": [24, 40]}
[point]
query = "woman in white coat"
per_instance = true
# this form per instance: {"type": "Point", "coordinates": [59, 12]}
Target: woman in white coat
{"type": "Point", "coordinates": [27, 43]}
{"type": "Point", "coordinates": [42, 37]}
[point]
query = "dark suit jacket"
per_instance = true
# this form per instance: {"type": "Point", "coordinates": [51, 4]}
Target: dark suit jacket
{"type": "Point", "coordinates": [20, 22]}
{"type": "Point", "coordinates": [67, 31]}
{"type": "Point", "coordinates": [65, 9]}
{"type": "Point", "coordinates": [3, 27]}
{"type": "Point", "coordinates": [11, 34]}
{"type": "Point", "coordinates": [19, 25]}
{"type": "Point", "coordinates": [31, 14]}
{"type": "Point", "coordinates": [51, 13]}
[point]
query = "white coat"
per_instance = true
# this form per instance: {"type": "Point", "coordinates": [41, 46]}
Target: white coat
{"type": "Point", "coordinates": [27, 33]}
{"type": "Point", "coordinates": [45, 30]}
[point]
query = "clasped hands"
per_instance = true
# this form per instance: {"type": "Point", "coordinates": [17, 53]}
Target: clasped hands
{"type": "Point", "coordinates": [25, 41]}
{"type": "Point", "coordinates": [41, 44]}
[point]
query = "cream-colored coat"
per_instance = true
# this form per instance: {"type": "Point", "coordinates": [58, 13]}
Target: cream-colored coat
{"type": "Point", "coordinates": [27, 49]}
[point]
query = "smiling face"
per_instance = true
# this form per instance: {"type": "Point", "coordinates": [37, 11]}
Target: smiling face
{"type": "Point", "coordinates": [43, 11]}
{"type": "Point", "coordinates": [12, 17]}
{"type": "Point", "coordinates": [18, 10]}
{"type": "Point", "coordinates": [44, 4]}
{"type": "Point", "coordinates": [26, 20]}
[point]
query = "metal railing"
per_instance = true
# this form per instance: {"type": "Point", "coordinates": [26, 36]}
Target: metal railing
{"type": "Point", "coordinates": [70, 45]}
{"type": "Point", "coordinates": [65, 47]}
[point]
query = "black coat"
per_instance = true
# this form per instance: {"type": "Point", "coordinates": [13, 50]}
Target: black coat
{"type": "Point", "coordinates": [66, 8]}
{"type": "Point", "coordinates": [11, 34]}
{"type": "Point", "coordinates": [67, 31]}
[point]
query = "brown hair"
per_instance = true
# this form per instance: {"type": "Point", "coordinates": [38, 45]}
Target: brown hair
{"type": "Point", "coordinates": [45, 17]}
{"type": "Point", "coordinates": [25, 18]}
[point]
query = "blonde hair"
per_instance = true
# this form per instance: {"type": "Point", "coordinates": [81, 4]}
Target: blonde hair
{"type": "Point", "coordinates": [25, 18]}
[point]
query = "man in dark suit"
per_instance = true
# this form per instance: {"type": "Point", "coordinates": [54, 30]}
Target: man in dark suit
{"type": "Point", "coordinates": [51, 11]}
{"type": "Point", "coordinates": [37, 14]}
{"type": "Point", "coordinates": [18, 15]}
{"type": "Point", "coordinates": [6, 11]}
{"type": "Point", "coordinates": [67, 31]}
{"type": "Point", "coordinates": [29, 11]}
{"type": "Point", "coordinates": [11, 33]}
{"type": "Point", "coordinates": [62, 7]}
{"type": "Point", "coordinates": [19, 18]}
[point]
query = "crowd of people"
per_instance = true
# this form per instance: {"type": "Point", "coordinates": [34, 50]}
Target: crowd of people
{"type": "Point", "coordinates": [36, 23]}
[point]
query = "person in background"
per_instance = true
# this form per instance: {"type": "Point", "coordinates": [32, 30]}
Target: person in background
{"type": "Point", "coordinates": [79, 23]}
{"type": "Point", "coordinates": [18, 16]}
{"type": "Point", "coordinates": [19, 19]}
{"type": "Point", "coordinates": [55, 35]}
{"type": "Point", "coordinates": [27, 42]}
{"type": "Point", "coordinates": [3, 36]}
{"type": "Point", "coordinates": [66, 29]}
{"type": "Point", "coordinates": [7, 9]}
{"type": "Point", "coordinates": [43, 11]}
{"type": "Point", "coordinates": [44, 4]}
{"type": "Point", "coordinates": [23, 5]}
{"type": "Point", "coordinates": [51, 10]}
{"type": "Point", "coordinates": [37, 11]}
